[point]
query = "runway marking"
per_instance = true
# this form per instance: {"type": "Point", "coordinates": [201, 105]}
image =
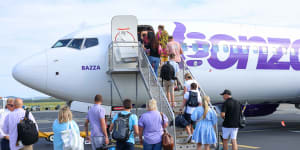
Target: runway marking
{"type": "Point", "coordinates": [251, 131]}
{"type": "Point", "coordinates": [245, 146]}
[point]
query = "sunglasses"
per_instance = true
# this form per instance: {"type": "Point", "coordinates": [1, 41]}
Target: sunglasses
{"type": "Point", "coordinates": [11, 105]}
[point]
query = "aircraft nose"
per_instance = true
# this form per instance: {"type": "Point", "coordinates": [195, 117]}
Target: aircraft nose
{"type": "Point", "coordinates": [32, 72]}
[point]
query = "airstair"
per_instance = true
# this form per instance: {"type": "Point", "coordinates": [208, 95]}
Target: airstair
{"type": "Point", "coordinates": [131, 71]}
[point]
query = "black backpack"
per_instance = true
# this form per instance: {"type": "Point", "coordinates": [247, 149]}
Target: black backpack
{"type": "Point", "coordinates": [121, 131]}
{"type": "Point", "coordinates": [193, 99]}
{"type": "Point", "coordinates": [167, 72]}
{"type": "Point", "coordinates": [27, 132]}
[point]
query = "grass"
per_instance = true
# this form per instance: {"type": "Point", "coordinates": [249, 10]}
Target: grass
{"type": "Point", "coordinates": [44, 105]}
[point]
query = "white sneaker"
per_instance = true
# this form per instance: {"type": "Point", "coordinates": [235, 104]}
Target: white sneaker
{"type": "Point", "coordinates": [188, 139]}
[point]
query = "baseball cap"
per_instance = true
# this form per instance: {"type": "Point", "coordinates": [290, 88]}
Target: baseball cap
{"type": "Point", "coordinates": [226, 91]}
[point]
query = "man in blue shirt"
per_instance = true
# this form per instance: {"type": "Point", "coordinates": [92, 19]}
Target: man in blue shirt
{"type": "Point", "coordinates": [133, 127]}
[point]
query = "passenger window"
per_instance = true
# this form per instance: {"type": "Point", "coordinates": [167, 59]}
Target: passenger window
{"type": "Point", "coordinates": [235, 49]}
{"type": "Point", "coordinates": [195, 47]}
{"type": "Point", "coordinates": [61, 43]}
{"type": "Point", "coordinates": [90, 42]}
{"type": "Point", "coordinates": [76, 43]}
{"type": "Point", "coordinates": [215, 48]}
{"type": "Point", "coordinates": [205, 47]}
{"type": "Point", "coordinates": [184, 46]}
{"type": "Point", "coordinates": [225, 48]}
{"type": "Point", "coordinates": [245, 50]}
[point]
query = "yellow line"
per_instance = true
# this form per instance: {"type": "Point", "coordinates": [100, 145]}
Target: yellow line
{"type": "Point", "coordinates": [244, 146]}
{"type": "Point", "coordinates": [138, 146]}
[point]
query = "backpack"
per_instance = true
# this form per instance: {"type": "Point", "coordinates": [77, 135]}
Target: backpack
{"type": "Point", "coordinates": [167, 72]}
{"type": "Point", "coordinates": [27, 131]}
{"type": "Point", "coordinates": [180, 121]}
{"type": "Point", "coordinates": [193, 99]}
{"type": "Point", "coordinates": [121, 131]}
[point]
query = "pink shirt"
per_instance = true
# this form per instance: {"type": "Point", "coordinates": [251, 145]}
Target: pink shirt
{"type": "Point", "coordinates": [174, 48]}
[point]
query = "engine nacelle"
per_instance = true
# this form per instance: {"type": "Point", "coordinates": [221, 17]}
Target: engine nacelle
{"type": "Point", "coordinates": [297, 106]}
{"type": "Point", "coordinates": [253, 110]}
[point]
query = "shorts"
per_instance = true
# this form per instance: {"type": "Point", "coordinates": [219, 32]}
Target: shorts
{"type": "Point", "coordinates": [229, 133]}
{"type": "Point", "coordinates": [97, 142]}
{"type": "Point", "coordinates": [188, 118]}
{"type": "Point", "coordinates": [169, 86]}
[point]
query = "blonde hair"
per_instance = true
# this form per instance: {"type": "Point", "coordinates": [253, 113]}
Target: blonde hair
{"type": "Point", "coordinates": [187, 76]}
{"type": "Point", "coordinates": [206, 100]}
{"type": "Point", "coordinates": [64, 114]}
{"type": "Point", "coordinates": [152, 104]}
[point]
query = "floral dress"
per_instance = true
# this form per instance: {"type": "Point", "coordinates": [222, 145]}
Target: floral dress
{"type": "Point", "coordinates": [162, 36]}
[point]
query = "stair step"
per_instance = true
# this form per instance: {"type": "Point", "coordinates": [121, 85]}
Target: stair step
{"type": "Point", "coordinates": [181, 132]}
{"type": "Point", "coordinates": [188, 146]}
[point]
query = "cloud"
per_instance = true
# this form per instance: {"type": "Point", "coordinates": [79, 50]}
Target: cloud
{"type": "Point", "coordinates": [30, 26]}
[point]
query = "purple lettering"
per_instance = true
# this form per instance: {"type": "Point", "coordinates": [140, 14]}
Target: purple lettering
{"type": "Point", "coordinates": [214, 61]}
{"type": "Point", "coordinates": [294, 57]}
{"type": "Point", "coordinates": [98, 67]}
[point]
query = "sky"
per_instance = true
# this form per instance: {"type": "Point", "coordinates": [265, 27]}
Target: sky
{"type": "Point", "coordinates": [31, 26]}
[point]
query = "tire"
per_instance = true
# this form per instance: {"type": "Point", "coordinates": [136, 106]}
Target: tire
{"type": "Point", "coordinates": [50, 138]}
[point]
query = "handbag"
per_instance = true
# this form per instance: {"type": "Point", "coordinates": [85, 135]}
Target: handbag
{"type": "Point", "coordinates": [167, 139]}
{"type": "Point", "coordinates": [71, 139]}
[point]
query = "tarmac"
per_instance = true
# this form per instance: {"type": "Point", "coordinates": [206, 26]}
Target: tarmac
{"type": "Point", "coordinates": [278, 131]}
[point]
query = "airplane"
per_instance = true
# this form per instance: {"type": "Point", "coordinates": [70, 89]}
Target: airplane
{"type": "Point", "coordinates": [260, 65]}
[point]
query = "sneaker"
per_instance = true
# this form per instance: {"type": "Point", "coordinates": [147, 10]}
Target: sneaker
{"type": "Point", "coordinates": [193, 142]}
{"type": "Point", "coordinates": [188, 139]}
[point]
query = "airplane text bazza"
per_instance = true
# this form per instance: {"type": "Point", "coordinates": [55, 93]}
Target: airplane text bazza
{"type": "Point", "coordinates": [258, 64]}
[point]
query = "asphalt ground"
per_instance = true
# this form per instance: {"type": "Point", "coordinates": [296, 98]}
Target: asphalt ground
{"type": "Point", "coordinates": [278, 131]}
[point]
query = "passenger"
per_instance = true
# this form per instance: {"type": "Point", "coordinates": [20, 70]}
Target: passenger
{"type": "Point", "coordinates": [174, 47]}
{"type": "Point", "coordinates": [191, 101]}
{"type": "Point", "coordinates": [154, 56]}
{"type": "Point", "coordinates": [188, 81]}
{"type": "Point", "coordinates": [8, 109]}
{"type": "Point", "coordinates": [206, 120]}
{"type": "Point", "coordinates": [231, 114]}
{"type": "Point", "coordinates": [151, 127]}
{"type": "Point", "coordinates": [145, 42]}
{"type": "Point", "coordinates": [61, 124]}
{"type": "Point", "coordinates": [96, 116]}
{"type": "Point", "coordinates": [11, 123]}
{"type": "Point", "coordinates": [162, 37]}
{"type": "Point", "coordinates": [169, 85]}
{"type": "Point", "coordinates": [133, 126]}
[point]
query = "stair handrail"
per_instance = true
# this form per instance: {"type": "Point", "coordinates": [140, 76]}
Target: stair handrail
{"type": "Point", "coordinates": [202, 92]}
{"type": "Point", "coordinates": [162, 96]}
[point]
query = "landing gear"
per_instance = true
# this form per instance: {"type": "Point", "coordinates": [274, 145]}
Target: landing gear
{"type": "Point", "coordinates": [297, 106]}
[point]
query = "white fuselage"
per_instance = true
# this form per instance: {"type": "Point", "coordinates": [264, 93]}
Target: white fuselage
{"type": "Point", "coordinates": [260, 64]}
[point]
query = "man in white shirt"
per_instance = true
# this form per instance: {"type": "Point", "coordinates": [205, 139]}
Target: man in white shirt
{"type": "Point", "coordinates": [190, 105]}
{"type": "Point", "coordinates": [11, 123]}
{"type": "Point", "coordinates": [188, 81]}
{"type": "Point", "coordinates": [4, 137]}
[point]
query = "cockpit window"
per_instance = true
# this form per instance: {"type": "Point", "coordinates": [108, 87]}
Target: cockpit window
{"type": "Point", "coordinates": [76, 43]}
{"type": "Point", "coordinates": [61, 43]}
{"type": "Point", "coordinates": [90, 42]}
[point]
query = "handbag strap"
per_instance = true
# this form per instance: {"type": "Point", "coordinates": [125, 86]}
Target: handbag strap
{"type": "Point", "coordinates": [162, 117]}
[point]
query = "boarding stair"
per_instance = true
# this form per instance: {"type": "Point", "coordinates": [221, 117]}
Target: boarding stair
{"type": "Point", "coordinates": [129, 62]}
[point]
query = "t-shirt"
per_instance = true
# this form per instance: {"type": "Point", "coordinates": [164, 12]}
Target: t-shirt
{"type": "Point", "coordinates": [94, 115]}
{"type": "Point", "coordinates": [174, 48]}
{"type": "Point", "coordinates": [152, 123]}
{"type": "Point", "coordinates": [190, 110]}
{"type": "Point", "coordinates": [133, 120]}
{"type": "Point", "coordinates": [188, 83]}
{"type": "Point", "coordinates": [232, 109]}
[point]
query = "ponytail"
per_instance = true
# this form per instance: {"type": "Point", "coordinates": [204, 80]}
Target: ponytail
{"type": "Point", "coordinates": [206, 100]}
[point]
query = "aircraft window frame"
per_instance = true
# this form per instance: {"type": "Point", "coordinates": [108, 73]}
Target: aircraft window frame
{"type": "Point", "coordinates": [80, 44]}
{"type": "Point", "coordinates": [184, 46]}
{"type": "Point", "coordinates": [195, 47]}
{"type": "Point", "coordinates": [86, 39]}
{"type": "Point", "coordinates": [66, 44]}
